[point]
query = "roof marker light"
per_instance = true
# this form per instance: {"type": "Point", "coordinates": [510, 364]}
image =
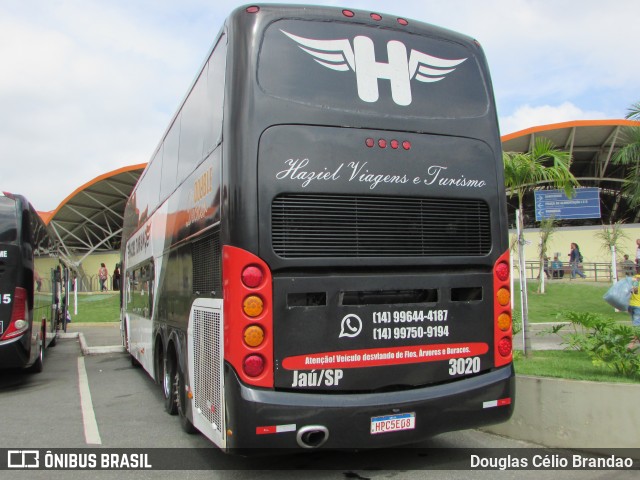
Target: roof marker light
{"type": "Point", "coordinates": [348, 13]}
{"type": "Point", "coordinates": [403, 22]}
{"type": "Point", "coordinates": [253, 9]}
{"type": "Point", "coordinates": [369, 142]}
{"type": "Point", "coordinates": [377, 17]}
{"type": "Point", "coordinates": [406, 145]}
{"type": "Point", "coordinates": [382, 143]}
{"type": "Point", "coordinates": [395, 144]}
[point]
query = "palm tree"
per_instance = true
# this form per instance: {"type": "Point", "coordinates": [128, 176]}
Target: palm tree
{"type": "Point", "coordinates": [630, 155]}
{"type": "Point", "coordinates": [612, 238]}
{"type": "Point", "coordinates": [547, 227]}
{"type": "Point", "coordinates": [524, 172]}
{"type": "Point", "coordinates": [633, 113]}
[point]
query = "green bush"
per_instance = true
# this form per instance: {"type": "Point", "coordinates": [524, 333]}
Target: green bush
{"type": "Point", "coordinates": [606, 341]}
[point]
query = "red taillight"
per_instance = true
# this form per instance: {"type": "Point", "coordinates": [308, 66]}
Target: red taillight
{"type": "Point", "coordinates": [248, 316]}
{"type": "Point", "coordinates": [505, 346]}
{"type": "Point", "coordinates": [252, 276]}
{"type": "Point", "coordinates": [502, 271]}
{"type": "Point", "coordinates": [19, 312]}
{"type": "Point", "coordinates": [502, 321]}
{"type": "Point", "coordinates": [253, 365]}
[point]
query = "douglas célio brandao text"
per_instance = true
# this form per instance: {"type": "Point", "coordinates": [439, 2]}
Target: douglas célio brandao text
{"type": "Point", "coordinates": [549, 461]}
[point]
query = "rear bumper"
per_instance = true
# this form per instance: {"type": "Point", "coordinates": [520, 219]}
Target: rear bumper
{"type": "Point", "coordinates": [14, 354]}
{"type": "Point", "coordinates": [347, 417]}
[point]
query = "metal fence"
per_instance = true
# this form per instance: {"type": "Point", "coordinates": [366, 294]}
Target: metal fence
{"type": "Point", "coordinates": [91, 283]}
{"type": "Point", "coordinates": [595, 271]}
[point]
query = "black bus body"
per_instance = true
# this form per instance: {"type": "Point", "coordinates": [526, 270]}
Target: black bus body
{"type": "Point", "coordinates": [27, 313]}
{"type": "Point", "coordinates": [317, 253]}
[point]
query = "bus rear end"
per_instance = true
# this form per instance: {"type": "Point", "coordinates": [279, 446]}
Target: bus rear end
{"type": "Point", "coordinates": [371, 306]}
{"type": "Point", "coordinates": [360, 342]}
{"type": "Point", "coordinates": [15, 341]}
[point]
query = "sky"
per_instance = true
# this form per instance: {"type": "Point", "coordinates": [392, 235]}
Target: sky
{"type": "Point", "coordinates": [89, 86]}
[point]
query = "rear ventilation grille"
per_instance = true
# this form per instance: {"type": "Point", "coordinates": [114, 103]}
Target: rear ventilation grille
{"type": "Point", "coordinates": [206, 260]}
{"type": "Point", "coordinates": [207, 367]}
{"type": "Point", "coordinates": [312, 226]}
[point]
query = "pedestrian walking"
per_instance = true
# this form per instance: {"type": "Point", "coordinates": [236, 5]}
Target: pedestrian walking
{"type": "Point", "coordinates": [103, 274]}
{"type": "Point", "coordinates": [575, 261]}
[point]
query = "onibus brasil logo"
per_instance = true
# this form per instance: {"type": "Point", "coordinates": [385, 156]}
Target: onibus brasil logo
{"type": "Point", "coordinates": [403, 67]}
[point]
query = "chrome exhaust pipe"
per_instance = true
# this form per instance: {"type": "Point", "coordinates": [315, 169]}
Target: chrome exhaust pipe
{"type": "Point", "coordinates": [312, 436]}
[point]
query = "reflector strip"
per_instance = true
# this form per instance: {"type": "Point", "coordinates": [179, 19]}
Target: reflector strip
{"type": "Point", "coordinates": [275, 429]}
{"type": "Point", "coordinates": [497, 403]}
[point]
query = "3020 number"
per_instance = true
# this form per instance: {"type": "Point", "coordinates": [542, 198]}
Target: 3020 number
{"type": "Point", "coordinates": [464, 366]}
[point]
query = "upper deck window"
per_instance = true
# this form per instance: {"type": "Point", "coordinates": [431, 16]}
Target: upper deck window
{"type": "Point", "coordinates": [8, 220]}
{"type": "Point", "coordinates": [369, 70]}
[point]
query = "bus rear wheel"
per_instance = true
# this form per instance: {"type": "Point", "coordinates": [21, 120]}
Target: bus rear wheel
{"type": "Point", "coordinates": [38, 365]}
{"type": "Point", "coordinates": [185, 423]}
{"type": "Point", "coordinates": [169, 385]}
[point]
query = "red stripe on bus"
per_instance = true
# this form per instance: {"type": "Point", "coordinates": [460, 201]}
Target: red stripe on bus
{"type": "Point", "coordinates": [376, 357]}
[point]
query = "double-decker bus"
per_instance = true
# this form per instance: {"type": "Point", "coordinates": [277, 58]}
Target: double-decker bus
{"type": "Point", "coordinates": [27, 286]}
{"type": "Point", "coordinates": [316, 254]}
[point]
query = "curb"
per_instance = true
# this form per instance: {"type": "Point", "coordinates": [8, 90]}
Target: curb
{"type": "Point", "coordinates": [574, 414]}
{"type": "Point", "coordinates": [86, 349]}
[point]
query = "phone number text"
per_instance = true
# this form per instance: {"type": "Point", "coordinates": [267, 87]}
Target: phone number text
{"type": "Point", "coordinates": [395, 333]}
{"type": "Point", "coordinates": [408, 316]}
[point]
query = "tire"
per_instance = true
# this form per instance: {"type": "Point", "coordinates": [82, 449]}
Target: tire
{"type": "Point", "coordinates": [169, 385]}
{"type": "Point", "coordinates": [38, 365]}
{"type": "Point", "coordinates": [54, 340]}
{"type": "Point", "coordinates": [185, 423]}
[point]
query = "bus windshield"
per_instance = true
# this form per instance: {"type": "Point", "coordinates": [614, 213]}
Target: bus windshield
{"type": "Point", "coordinates": [435, 78]}
{"type": "Point", "coordinates": [8, 220]}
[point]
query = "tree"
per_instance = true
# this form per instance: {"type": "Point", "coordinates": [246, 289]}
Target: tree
{"type": "Point", "coordinates": [522, 173]}
{"type": "Point", "coordinates": [612, 238]}
{"type": "Point", "coordinates": [633, 113]}
{"type": "Point", "coordinates": [547, 227]}
{"type": "Point", "coordinates": [629, 155]}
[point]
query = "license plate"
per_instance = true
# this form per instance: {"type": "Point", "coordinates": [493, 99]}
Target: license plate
{"type": "Point", "coordinates": [393, 423]}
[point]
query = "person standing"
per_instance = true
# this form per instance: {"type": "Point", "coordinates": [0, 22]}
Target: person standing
{"type": "Point", "coordinates": [634, 306]}
{"type": "Point", "coordinates": [628, 267]}
{"type": "Point", "coordinates": [103, 274]}
{"type": "Point", "coordinates": [116, 277]}
{"type": "Point", "coordinates": [575, 258]}
{"type": "Point", "coordinates": [557, 267]}
{"type": "Point", "coordinates": [638, 255]}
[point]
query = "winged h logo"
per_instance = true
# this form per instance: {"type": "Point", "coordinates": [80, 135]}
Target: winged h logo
{"type": "Point", "coordinates": [401, 69]}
